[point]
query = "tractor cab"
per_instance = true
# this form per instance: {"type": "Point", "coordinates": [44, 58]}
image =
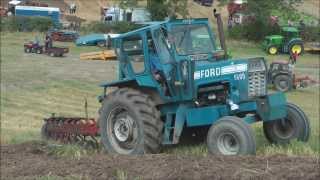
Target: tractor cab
{"type": "Point", "coordinates": [162, 56]}
{"type": "Point", "coordinates": [289, 33]}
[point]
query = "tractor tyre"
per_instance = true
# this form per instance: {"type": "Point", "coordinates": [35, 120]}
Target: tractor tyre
{"type": "Point", "coordinates": [52, 54]}
{"type": "Point", "coordinates": [283, 83]}
{"type": "Point", "coordinates": [295, 126]}
{"type": "Point", "coordinates": [230, 135]}
{"type": "Point", "coordinates": [130, 123]}
{"type": "Point", "coordinates": [272, 50]}
{"type": "Point", "coordinates": [39, 51]}
{"type": "Point", "coordinates": [296, 46]}
{"type": "Point", "coordinates": [27, 50]}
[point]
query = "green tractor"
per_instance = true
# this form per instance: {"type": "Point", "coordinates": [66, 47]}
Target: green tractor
{"type": "Point", "coordinates": [288, 42]}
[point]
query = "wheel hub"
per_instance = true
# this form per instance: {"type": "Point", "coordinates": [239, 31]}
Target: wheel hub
{"type": "Point", "coordinates": [228, 144]}
{"type": "Point", "coordinates": [283, 84]}
{"type": "Point", "coordinates": [123, 129]}
{"type": "Point", "coordinates": [296, 48]}
{"type": "Point", "coordinates": [284, 128]}
{"type": "Point", "coordinates": [273, 50]}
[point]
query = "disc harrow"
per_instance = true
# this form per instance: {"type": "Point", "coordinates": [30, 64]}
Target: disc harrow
{"type": "Point", "coordinates": [71, 130]}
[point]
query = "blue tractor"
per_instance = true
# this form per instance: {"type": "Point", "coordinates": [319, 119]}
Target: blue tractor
{"type": "Point", "coordinates": [174, 79]}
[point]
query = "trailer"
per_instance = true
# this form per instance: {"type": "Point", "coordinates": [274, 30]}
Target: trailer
{"type": "Point", "coordinates": [312, 47]}
{"type": "Point", "coordinates": [50, 12]}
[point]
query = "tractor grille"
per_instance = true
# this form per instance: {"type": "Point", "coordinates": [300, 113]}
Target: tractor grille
{"type": "Point", "coordinates": [257, 84]}
{"type": "Point", "coordinates": [257, 78]}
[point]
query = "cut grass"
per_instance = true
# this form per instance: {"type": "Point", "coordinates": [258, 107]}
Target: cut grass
{"type": "Point", "coordinates": [34, 86]}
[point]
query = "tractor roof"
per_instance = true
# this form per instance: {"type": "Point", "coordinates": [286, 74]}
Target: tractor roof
{"type": "Point", "coordinates": [290, 29]}
{"type": "Point", "coordinates": [168, 22]}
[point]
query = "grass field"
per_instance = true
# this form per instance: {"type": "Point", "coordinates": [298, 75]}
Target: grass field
{"type": "Point", "coordinates": [34, 86]}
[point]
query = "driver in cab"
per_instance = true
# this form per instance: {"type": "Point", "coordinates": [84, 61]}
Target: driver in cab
{"type": "Point", "coordinates": [156, 67]}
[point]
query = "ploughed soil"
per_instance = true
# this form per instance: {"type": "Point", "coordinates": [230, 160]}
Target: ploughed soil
{"type": "Point", "coordinates": [32, 160]}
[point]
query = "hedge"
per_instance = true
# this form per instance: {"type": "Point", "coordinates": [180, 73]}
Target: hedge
{"type": "Point", "coordinates": [26, 24]}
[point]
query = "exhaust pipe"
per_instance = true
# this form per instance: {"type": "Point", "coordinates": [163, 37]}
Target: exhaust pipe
{"type": "Point", "coordinates": [221, 32]}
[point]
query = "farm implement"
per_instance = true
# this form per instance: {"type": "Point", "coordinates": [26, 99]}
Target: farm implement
{"type": "Point", "coordinates": [282, 76]}
{"type": "Point", "coordinates": [71, 130]}
{"type": "Point", "coordinates": [174, 79]}
{"type": "Point", "coordinates": [33, 47]}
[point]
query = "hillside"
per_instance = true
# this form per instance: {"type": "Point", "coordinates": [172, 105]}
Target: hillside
{"type": "Point", "coordinates": [90, 10]}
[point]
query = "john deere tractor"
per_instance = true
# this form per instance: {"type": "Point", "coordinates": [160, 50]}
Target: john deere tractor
{"type": "Point", "coordinates": [288, 42]}
{"type": "Point", "coordinates": [169, 85]}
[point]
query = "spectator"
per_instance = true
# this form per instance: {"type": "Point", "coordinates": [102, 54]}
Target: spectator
{"type": "Point", "coordinates": [109, 42]}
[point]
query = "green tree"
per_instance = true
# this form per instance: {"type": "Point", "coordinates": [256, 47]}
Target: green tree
{"type": "Point", "coordinates": [261, 10]}
{"type": "Point", "coordinates": [161, 9]}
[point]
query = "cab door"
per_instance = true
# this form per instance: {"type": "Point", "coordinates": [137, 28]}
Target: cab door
{"type": "Point", "coordinates": [167, 62]}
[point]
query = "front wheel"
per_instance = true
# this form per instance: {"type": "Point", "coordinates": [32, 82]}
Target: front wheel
{"type": "Point", "coordinates": [27, 50]}
{"type": "Point", "coordinates": [130, 123]}
{"type": "Point", "coordinates": [272, 50]}
{"type": "Point", "coordinates": [231, 136]}
{"type": "Point", "coordinates": [294, 126]}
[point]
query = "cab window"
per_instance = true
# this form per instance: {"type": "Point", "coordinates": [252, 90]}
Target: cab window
{"type": "Point", "coordinates": [133, 50]}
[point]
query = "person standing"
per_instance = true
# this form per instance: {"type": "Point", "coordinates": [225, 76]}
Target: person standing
{"type": "Point", "coordinates": [48, 42]}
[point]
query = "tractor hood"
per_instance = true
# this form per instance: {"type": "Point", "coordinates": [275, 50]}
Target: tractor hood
{"type": "Point", "coordinates": [207, 72]}
{"type": "Point", "coordinates": [274, 37]}
{"type": "Point", "coordinates": [245, 77]}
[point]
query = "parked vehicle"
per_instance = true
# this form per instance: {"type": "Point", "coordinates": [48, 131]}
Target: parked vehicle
{"type": "Point", "coordinates": [33, 47]}
{"type": "Point", "coordinates": [115, 14]}
{"type": "Point", "coordinates": [289, 41]}
{"type": "Point", "coordinates": [63, 36]}
{"type": "Point", "coordinates": [95, 40]}
{"type": "Point", "coordinates": [50, 12]}
{"type": "Point", "coordinates": [282, 76]}
{"type": "Point", "coordinates": [205, 2]}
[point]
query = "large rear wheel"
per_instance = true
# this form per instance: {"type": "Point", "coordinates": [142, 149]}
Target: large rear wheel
{"type": "Point", "coordinates": [294, 126]}
{"type": "Point", "coordinates": [296, 47]}
{"type": "Point", "coordinates": [130, 123]}
{"type": "Point", "coordinates": [231, 136]}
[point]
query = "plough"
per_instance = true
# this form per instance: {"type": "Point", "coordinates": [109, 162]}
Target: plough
{"type": "Point", "coordinates": [71, 130]}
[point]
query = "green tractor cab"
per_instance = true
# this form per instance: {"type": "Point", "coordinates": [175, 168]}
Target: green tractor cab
{"type": "Point", "coordinates": [288, 42]}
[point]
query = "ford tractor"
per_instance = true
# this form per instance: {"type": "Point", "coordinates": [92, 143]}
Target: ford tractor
{"type": "Point", "coordinates": [170, 83]}
{"type": "Point", "coordinates": [288, 42]}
